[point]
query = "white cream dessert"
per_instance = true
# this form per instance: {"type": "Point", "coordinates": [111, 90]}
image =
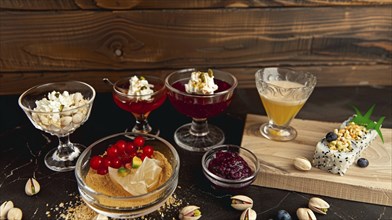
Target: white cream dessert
{"type": "Point", "coordinates": [139, 86]}
{"type": "Point", "coordinates": [201, 83]}
{"type": "Point", "coordinates": [55, 113]}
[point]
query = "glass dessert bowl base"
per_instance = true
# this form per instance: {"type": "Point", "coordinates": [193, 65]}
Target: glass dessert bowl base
{"type": "Point", "coordinates": [64, 158]}
{"type": "Point", "coordinates": [278, 133]}
{"type": "Point", "coordinates": [124, 214]}
{"type": "Point", "coordinates": [186, 140]}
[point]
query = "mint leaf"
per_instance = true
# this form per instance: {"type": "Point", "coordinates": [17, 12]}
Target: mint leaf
{"type": "Point", "coordinates": [365, 120]}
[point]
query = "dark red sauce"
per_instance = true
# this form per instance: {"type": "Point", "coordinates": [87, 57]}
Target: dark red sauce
{"type": "Point", "coordinates": [229, 165]}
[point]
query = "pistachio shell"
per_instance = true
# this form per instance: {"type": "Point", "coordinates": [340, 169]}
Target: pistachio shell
{"type": "Point", "coordinates": [241, 202]}
{"type": "Point", "coordinates": [32, 187]}
{"type": "Point", "coordinates": [190, 212]}
{"type": "Point", "coordinates": [302, 164]}
{"type": "Point", "coordinates": [318, 205]}
{"type": "Point", "coordinates": [14, 214]}
{"type": "Point", "coordinates": [248, 214]}
{"type": "Point", "coordinates": [305, 214]}
{"type": "Point", "coordinates": [4, 208]}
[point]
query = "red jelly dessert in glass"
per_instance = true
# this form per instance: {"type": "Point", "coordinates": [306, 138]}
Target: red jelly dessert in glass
{"type": "Point", "coordinates": [206, 102]}
{"type": "Point", "coordinates": [140, 105]}
{"type": "Point", "coordinates": [200, 107]}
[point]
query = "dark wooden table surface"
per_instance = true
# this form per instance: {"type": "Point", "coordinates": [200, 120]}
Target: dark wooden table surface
{"type": "Point", "coordinates": [22, 148]}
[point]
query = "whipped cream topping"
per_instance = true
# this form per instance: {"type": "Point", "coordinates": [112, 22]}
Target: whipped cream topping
{"type": "Point", "coordinates": [201, 83]}
{"type": "Point", "coordinates": [140, 86]}
{"type": "Point", "coordinates": [58, 102]}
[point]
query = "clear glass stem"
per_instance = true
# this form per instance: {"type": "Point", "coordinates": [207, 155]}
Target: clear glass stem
{"type": "Point", "coordinates": [65, 148]}
{"type": "Point", "coordinates": [64, 157]}
{"type": "Point", "coordinates": [141, 125]}
{"type": "Point", "coordinates": [199, 127]}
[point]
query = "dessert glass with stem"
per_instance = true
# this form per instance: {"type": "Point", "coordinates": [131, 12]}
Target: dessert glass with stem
{"type": "Point", "coordinates": [199, 135]}
{"type": "Point", "coordinates": [60, 123]}
{"type": "Point", "coordinates": [140, 106]}
{"type": "Point", "coordinates": [283, 92]}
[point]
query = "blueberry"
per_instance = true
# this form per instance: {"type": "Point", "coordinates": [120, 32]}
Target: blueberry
{"type": "Point", "coordinates": [331, 136]}
{"type": "Point", "coordinates": [362, 162]}
{"type": "Point", "coordinates": [283, 215]}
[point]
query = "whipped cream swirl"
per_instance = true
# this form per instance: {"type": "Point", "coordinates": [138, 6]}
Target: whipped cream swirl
{"type": "Point", "coordinates": [140, 86]}
{"type": "Point", "coordinates": [201, 83]}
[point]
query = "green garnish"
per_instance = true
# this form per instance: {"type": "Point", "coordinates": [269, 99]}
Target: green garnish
{"type": "Point", "coordinates": [57, 94]}
{"type": "Point", "coordinates": [122, 171]}
{"type": "Point", "coordinates": [61, 108]}
{"type": "Point", "coordinates": [210, 73]}
{"type": "Point", "coordinates": [365, 121]}
{"type": "Point", "coordinates": [142, 78]}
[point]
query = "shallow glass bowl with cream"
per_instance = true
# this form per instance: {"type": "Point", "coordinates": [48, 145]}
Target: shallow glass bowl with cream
{"type": "Point", "coordinates": [125, 206]}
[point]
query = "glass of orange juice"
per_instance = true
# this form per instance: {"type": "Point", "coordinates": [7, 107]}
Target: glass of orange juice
{"type": "Point", "coordinates": [283, 92]}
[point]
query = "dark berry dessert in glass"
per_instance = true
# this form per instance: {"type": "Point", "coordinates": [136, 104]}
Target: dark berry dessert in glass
{"type": "Point", "coordinates": [200, 96]}
{"type": "Point", "coordinates": [140, 95]}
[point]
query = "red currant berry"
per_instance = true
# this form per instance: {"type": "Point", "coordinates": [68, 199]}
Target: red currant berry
{"type": "Point", "coordinates": [115, 163]}
{"type": "Point", "coordinates": [130, 148]}
{"type": "Point", "coordinates": [142, 156]}
{"type": "Point", "coordinates": [148, 150]}
{"type": "Point", "coordinates": [126, 159]}
{"type": "Point", "coordinates": [139, 141]}
{"type": "Point", "coordinates": [132, 155]}
{"type": "Point", "coordinates": [96, 162]}
{"type": "Point", "coordinates": [102, 171]}
{"type": "Point", "coordinates": [120, 145]}
{"type": "Point", "coordinates": [106, 162]}
{"type": "Point", "coordinates": [112, 152]}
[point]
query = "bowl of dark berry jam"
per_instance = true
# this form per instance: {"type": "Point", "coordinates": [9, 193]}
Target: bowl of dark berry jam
{"type": "Point", "coordinates": [230, 166]}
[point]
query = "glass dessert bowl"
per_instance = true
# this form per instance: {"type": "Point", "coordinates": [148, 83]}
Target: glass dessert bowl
{"type": "Point", "coordinates": [200, 95]}
{"type": "Point", "coordinates": [59, 109]}
{"type": "Point", "coordinates": [140, 95]}
{"type": "Point", "coordinates": [230, 167]}
{"type": "Point", "coordinates": [142, 173]}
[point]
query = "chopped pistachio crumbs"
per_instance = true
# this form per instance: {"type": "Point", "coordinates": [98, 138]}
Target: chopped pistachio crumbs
{"type": "Point", "coordinates": [365, 120]}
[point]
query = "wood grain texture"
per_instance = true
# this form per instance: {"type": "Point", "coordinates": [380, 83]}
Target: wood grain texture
{"type": "Point", "coordinates": [371, 185]}
{"type": "Point", "coordinates": [173, 4]}
{"type": "Point", "coordinates": [373, 75]}
{"type": "Point", "coordinates": [94, 40]}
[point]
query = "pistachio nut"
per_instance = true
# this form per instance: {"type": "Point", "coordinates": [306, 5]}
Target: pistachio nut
{"type": "Point", "coordinates": [241, 202]}
{"type": "Point", "coordinates": [318, 205]}
{"type": "Point", "coordinates": [248, 214]}
{"type": "Point", "coordinates": [100, 217]}
{"type": "Point", "coordinates": [14, 214]}
{"type": "Point", "coordinates": [4, 208]}
{"type": "Point", "coordinates": [302, 164]}
{"type": "Point", "coordinates": [305, 214]}
{"type": "Point", "coordinates": [190, 212]}
{"type": "Point", "coordinates": [32, 187]}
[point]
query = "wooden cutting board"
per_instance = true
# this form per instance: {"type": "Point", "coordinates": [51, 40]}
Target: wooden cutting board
{"type": "Point", "coordinates": [372, 184]}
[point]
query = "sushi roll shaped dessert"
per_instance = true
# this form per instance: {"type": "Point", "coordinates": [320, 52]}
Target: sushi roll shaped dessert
{"type": "Point", "coordinates": [343, 146]}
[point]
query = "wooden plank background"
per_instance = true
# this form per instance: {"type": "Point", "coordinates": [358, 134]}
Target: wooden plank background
{"type": "Point", "coordinates": [342, 42]}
